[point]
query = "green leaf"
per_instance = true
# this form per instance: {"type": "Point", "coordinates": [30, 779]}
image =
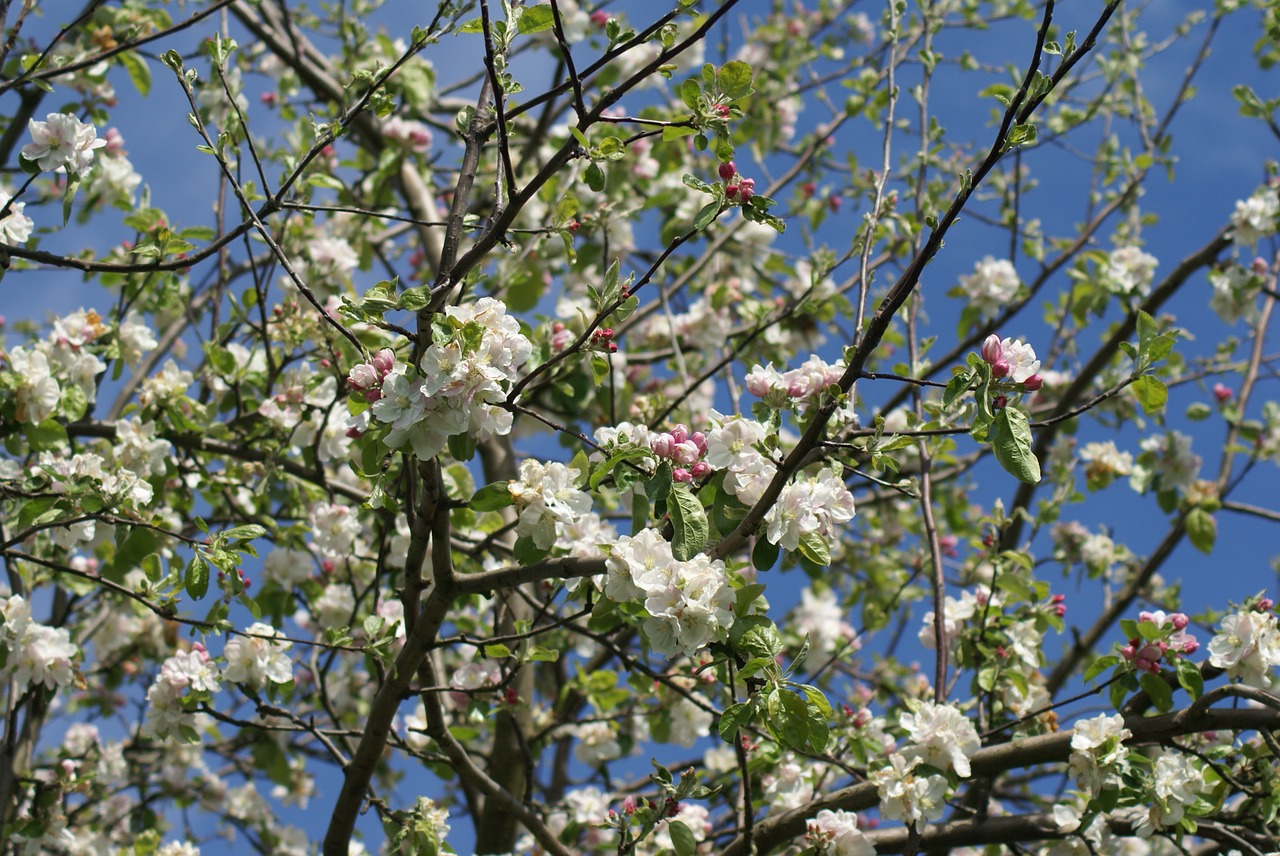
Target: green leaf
{"type": "Point", "coordinates": [1011, 442]}
{"type": "Point", "coordinates": [682, 838]}
{"type": "Point", "coordinates": [1151, 393]}
{"type": "Point", "coordinates": [1100, 665]}
{"type": "Point", "coordinates": [526, 552]}
{"type": "Point", "coordinates": [595, 177]}
{"type": "Point", "coordinates": [1202, 529]}
{"type": "Point", "coordinates": [1155, 686]}
{"type": "Point", "coordinates": [764, 555]}
{"type": "Point", "coordinates": [813, 548]}
{"type": "Point", "coordinates": [196, 579]}
{"type": "Point", "coordinates": [690, 92]}
{"type": "Point", "coordinates": [599, 368]}
{"type": "Point", "coordinates": [1190, 678]}
{"type": "Point", "coordinates": [956, 387]}
{"type": "Point", "coordinates": [535, 20]}
{"type": "Point", "coordinates": [788, 718]}
{"type": "Point", "coordinates": [689, 519]}
{"type": "Point", "coordinates": [735, 717]}
{"type": "Point", "coordinates": [734, 79]}
{"type": "Point", "coordinates": [45, 437]}
{"type": "Point", "coordinates": [68, 196]}
{"type": "Point", "coordinates": [139, 71]}
{"type": "Point", "coordinates": [706, 216]}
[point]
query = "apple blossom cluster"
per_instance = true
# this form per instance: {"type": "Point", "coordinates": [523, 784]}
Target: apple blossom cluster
{"type": "Point", "coordinates": [690, 604]}
{"type": "Point", "coordinates": [1255, 218]}
{"type": "Point", "coordinates": [1235, 290]}
{"type": "Point", "coordinates": [836, 833]}
{"type": "Point", "coordinates": [991, 287]}
{"type": "Point", "coordinates": [62, 142]}
{"type": "Point", "coordinates": [1104, 463]}
{"type": "Point", "coordinates": [684, 450]}
{"type": "Point", "coordinates": [1013, 360]}
{"type": "Point", "coordinates": [35, 654]}
{"type": "Point", "coordinates": [546, 496]}
{"type": "Point", "coordinates": [1098, 754]}
{"type": "Point", "coordinates": [1165, 463]}
{"type": "Point", "coordinates": [186, 679]}
{"type": "Point", "coordinates": [257, 657]}
{"type": "Point", "coordinates": [801, 388]}
{"type": "Point", "coordinates": [909, 793]}
{"type": "Point", "coordinates": [1129, 271]}
{"type": "Point", "coordinates": [810, 507]}
{"type": "Point", "coordinates": [1176, 784]}
{"type": "Point", "coordinates": [1247, 646]}
{"type": "Point", "coordinates": [15, 226]}
{"type": "Point", "coordinates": [731, 447]}
{"type": "Point", "coordinates": [941, 738]}
{"type": "Point", "coordinates": [475, 354]}
{"type": "Point", "coordinates": [1160, 637]}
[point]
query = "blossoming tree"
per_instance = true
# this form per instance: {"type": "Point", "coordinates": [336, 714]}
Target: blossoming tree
{"type": "Point", "coordinates": [562, 429]}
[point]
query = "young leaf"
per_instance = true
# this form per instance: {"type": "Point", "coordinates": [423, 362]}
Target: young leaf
{"type": "Point", "coordinates": [689, 519]}
{"type": "Point", "coordinates": [1011, 442]}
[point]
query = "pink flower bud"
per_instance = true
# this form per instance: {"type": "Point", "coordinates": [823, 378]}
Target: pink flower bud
{"type": "Point", "coordinates": [727, 170]}
{"type": "Point", "coordinates": [1033, 383]}
{"type": "Point", "coordinates": [1222, 392]}
{"type": "Point", "coordinates": [685, 453]}
{"type": "Point", "coordinates": [354, 433]}
{"type": "Point", "coordinates": [384, 361]}
{"type": "Point", "coordinates": [699, 439]}
{"type": "Point", "coordinates": [1259, 266]}
{"type": "Point", "coordinates": [1001, 368]}
{"type": "Point", "coordinates": [680, 433]}
{"type": "Point", "coordinates": [599, 17]}
{"type": "Point", "coordinates": [1264, 605]}
{"type": "Point", "coordinates": [372, 395]}
{"type": "Point", "coordinates": [662, 444]}
{"type": "Point", "coordinates": [680, 474]}
{"type": "Point", "coordinates": [991, 349]}
{"type": "Point", "coordinates": [747, 188]}
{"type": "Point", "coordinates": [1179, 620]}
{"type": "Point", "coordinates": [731, 190]}
{"type": "Point", "coordinates": [1000, 402]}
{"type": "Point", "coordinates": [700, 471]}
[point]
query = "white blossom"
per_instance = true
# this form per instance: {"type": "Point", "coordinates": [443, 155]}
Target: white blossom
{"type": "Point", "coordinates": [941, 736]}
{"type": "Point", "coordinates": [991, 286]}
{"type": "Point", "coordinates": [907, 796]}
{"type": "Point", "coordinates": [253, 660]}
{"type": "Point", "coordinates": [1247, 647]}
{"type": "Point", "coordinates": [835, 833]}
{"type": "Point", "coordinates": [1129, 271]}
{"type": "Point", "coordinates": [62, 141]}
{"type": "Point", "coordinates": [15, 226]}
{"type": "Point", "coordinates": [1255, 217]}
{"type": "Point", "coordinates": [545, 495]}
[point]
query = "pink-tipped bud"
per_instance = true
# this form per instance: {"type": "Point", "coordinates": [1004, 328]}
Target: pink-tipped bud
{"type": "Point", "coordinates": [1222, 392]}
{"type": "Point", "coordinates": [354, 433]}
{"type": "Point", "coordinates": [1001, 368]}
{"type": "Point", "coordinates": [680, 474]}
{"type": "Point", "coordinates": [1179, 620]}
{"type": "Point", "coordinates": [1265, 604]}
{"type": "Point", "coordinates": [731, 191]}
{"type": "Point", "coordinates": [384, 361]}
{"type": "Point", "coordinates": [599, 17]}
{"type": "Point", "coordinates": [680, 433]}
{"type": "Point", "coordinates": [747, 188]}
{"type": "Point", "coordinates": [372, 395]}
{"type": "Point", "coordinates": [727, 170]}
{"type": "Point", "coordinates": [662, 444]}
{"type": "Point", "coordinates": [701, 470]}
{"type": "Point", "coordinates": [991, 349]}
{"type": "Point", "coordinates": [1000, 402]}
{"type": "Point", "coordinates": [1259, 266]}
{"type": "Point", "coordinates": [1033, 383]}
{"type": "Point", "coordinates": [699, 439]}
